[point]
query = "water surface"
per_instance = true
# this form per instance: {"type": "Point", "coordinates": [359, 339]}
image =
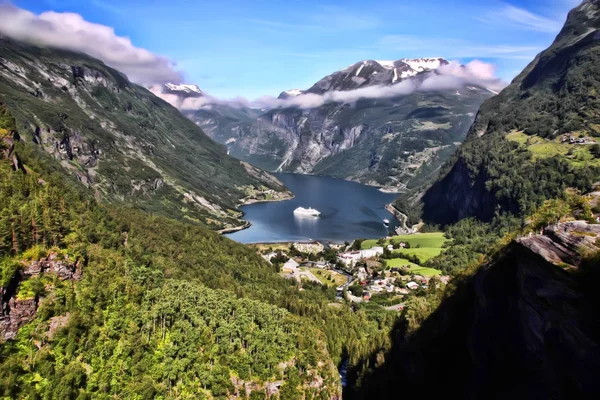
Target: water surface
{"type": "Point", "coordinates": [349, 210]}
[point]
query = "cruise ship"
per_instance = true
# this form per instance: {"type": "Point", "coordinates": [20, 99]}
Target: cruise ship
{"type": "Point", "coordinates": [306, 212]}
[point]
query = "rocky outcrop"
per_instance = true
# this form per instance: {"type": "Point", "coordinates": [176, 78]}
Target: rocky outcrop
{"type": "Point", "coordinates": [54, 264]}
{"type": "Point", "coordinates": [16, 312]}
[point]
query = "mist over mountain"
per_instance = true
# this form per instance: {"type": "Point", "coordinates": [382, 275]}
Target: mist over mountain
{"type": "Point", "coordinates": [386, 123]}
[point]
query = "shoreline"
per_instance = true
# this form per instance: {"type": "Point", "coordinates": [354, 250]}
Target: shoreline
{"type": "Point", "coordinates": [256, 201]}
{"type": "Point", "coordinates": [248, 224]}
{"type": "Point", "coordinates": [234, 229]}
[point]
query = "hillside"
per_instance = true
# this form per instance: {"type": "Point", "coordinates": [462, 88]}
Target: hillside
{"type": "Point", "coordinates": [116, 302]}
{"type": "Point", "coordinates": [524, 145]}
{"type": "Point", "coordinates": [392, 141]}
{"type": "Point", "coordinates": [127, 145]}
{"type": "Point", "coordinates": [113, 301]}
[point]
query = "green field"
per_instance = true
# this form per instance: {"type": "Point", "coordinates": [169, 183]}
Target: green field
{"type": "Point", "coordinates": [424, 253]}
{"type": "Point", "coordinates": [323, 274]}
{"type": "Point", "coordinates": [577, 154]}
{"type": "Point", "coordinates": [414, 268]}
{"type": "Point", "coordinates": [430, 244]}
{"type": "Point", "coordinates": [432, 240]}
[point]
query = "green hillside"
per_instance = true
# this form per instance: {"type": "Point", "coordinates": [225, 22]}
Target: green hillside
{"type": "Point", "coordinates": [119, 139]}
{"type": "Point", "coordinates": [514, 156]}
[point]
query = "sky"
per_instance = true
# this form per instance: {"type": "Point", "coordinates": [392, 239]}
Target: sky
{"type": "Point", "coordinates": [254, 48]}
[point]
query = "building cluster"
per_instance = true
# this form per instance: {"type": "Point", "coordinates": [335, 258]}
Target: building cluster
{"type": "Point", "coordinates": [309, 248]}
{"type": "Point", "coordinates": [350, 258]}
{"type": "Point", "coordinates": [572, 139]}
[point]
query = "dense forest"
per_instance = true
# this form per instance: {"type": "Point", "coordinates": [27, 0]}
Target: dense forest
{"type": "Point", "coordinates": [163, 308]}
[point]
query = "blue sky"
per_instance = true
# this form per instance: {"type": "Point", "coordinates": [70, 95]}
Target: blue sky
{"type": "Point", "coordinates": [253, 48]}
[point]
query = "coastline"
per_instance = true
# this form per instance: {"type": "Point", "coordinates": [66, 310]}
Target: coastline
{"type": "Point", "coordinates": [248, 224]}
{"type": "Point", "coordinates": [235, 228]}
{"type": "Point", "coordinates": [255, 201]}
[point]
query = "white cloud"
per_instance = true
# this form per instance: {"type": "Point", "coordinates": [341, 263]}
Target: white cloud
{"type": "Point", "coordinates": [456, 48]}
{"type": "Point", "coordinates": [522, 18]}
{"type": "Point", "coordinates": [453, 76]}
{"type": "Point", "coordinates": [71, 32]}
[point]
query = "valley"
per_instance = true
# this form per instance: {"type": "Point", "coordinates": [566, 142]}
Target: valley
{"type": "Point", "coordinates": [413, 228]}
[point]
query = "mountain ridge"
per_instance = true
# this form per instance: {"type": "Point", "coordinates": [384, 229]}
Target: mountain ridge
{"type": "Point", "coordinates": [120, 140]}
{"type": "Point", "coordinates": [394, 142]}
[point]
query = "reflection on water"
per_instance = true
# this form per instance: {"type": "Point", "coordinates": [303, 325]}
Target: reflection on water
{"type": "Point", "coordinates": [348, 211]}
{"type": "Point", "coordinates": [305, 221]}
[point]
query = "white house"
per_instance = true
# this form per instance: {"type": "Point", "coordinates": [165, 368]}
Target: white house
{"type": "Point", "coordinates": [351, 257]}
{"type": "Point", "coordinates": [291, 264]}
{"type": "Point", "coordinates": [412, 285]}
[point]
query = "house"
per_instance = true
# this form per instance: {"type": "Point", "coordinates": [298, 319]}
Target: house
{"type": "Point", "coordinates": [412, 285]}
{"type": "Point", "coordinates": [349, 258]}
{"type": "Point", "coordinates": [372, 252]}
{"type": "Point", "coordinates": [269, 256]}
{"type": "Point", "coordinates": [291, 265]}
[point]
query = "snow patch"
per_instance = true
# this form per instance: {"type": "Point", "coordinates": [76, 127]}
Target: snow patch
{"type": "Point", "coordinates": [386, 64]}
{"type": "Point", "coordinates": [293, 92]}
{"type": "Point", "coordinates": [183, 88]}
{"type": "Point", "coordinates": [360, 69]}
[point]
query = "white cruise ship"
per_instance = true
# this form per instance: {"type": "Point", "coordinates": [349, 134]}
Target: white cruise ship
{"type": "Point", "coordinates": [306, 212]}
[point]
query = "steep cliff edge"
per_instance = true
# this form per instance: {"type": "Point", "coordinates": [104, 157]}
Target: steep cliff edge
{"type": "Point", "coordinates": [538, 136]}
{"type": "Point", "coordinates": [525, 325]}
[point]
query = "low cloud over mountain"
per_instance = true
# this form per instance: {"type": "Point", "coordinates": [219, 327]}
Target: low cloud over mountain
{"type": "Point", "coordinates": [450, 76]}
{"type": "Point", "coordinates": [70, 31]}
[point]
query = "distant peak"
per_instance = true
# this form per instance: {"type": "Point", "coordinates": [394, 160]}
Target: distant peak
{"type": "Point", "coordinates": [186, 88]}
{"type": "Point", "coordinates": [291, 93]}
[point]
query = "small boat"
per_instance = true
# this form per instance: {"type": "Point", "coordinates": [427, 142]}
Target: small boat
{"type": "Point", "coordinates": [386, 221]}
{"type": "Point", "coordinates": [307, 212]}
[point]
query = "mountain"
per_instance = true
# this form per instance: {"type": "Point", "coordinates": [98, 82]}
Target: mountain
{"type": "Point", "coordinates": [519, 150]}
{"type": "Point", "coordinates": [396, 141]}
{"type": "Point", "coordinates": [123, 142]}
{"type": "Point", "coordinates": [115, 302]}
{"type": "Point", "coordinates": [373, 73]}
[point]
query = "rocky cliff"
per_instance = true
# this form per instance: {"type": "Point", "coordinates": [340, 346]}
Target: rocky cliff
{"type": "Point", "coordinates": [525, 325]}
{"type": "Point", "coordinates": [17, 306]}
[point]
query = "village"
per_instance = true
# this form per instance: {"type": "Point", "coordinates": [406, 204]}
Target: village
{"type": "Point", "coordinates": [383, 271]}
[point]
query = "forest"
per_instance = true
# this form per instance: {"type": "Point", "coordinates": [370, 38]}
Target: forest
{"type": "Point", "coordinates": [164, 308]}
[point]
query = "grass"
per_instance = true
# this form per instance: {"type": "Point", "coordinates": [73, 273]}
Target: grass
{"type": "Point", "coordinates": [424, 253]}
{"type": "Point", "coordinates": [432, 240]}
{"type": "Point", "coordinates": [577, 154]}
{"type": "Point", "coordinates": [323, 274]}
{"type": "Point", "coordinates": [429, 244]}
{"type": "Point", "coordinates": [414, 268]}
{"type": "Point", "coordinates": [274, 246]}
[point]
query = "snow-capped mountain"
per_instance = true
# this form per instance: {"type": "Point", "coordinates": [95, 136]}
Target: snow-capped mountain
{"type": "Point", "coordinates": [374, 72]}
{"type": "Point", "coordinates": [290, 93]}
{"type": "Point", "coordinates": [395, 142]}
{"type": "Point", "coordinates": [184, 90]}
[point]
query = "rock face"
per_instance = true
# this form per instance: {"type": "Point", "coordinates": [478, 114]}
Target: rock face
{"type": "Point", "coordinates": [118, 139]}
{"type": "Point", "coordinates": [392, 142]}
{"type": "Point", "coordinates": [523, 326]}
{"type": "Point", "coordinates": [16, 312]}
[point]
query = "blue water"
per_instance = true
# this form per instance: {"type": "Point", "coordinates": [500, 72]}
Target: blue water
{"type": "Point", "coordinates": [349, 210]}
